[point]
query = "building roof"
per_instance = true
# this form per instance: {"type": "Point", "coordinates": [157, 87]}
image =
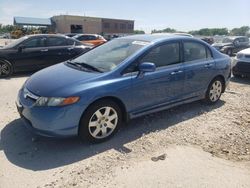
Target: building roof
{"type": "Point", "coordinates": [32, 21]}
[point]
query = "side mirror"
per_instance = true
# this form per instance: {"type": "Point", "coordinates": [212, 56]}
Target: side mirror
{"type": "Point", "coordinates": [147, 67]}
{"type": "Point", "coordinates": [20, 48]}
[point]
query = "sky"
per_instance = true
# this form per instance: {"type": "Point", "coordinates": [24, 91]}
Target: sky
{"type": "Point", "coordinates": [183, 15]}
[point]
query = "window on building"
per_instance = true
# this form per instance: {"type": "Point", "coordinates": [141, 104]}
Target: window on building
{"type": "Point", "coordinates": [122, 26]}
{"type": "Point", "coordinates": [130, 26]}
{"type": "Point", "coordinates": [76, 29]}
{"type": "Point", "coordinates": [116, 25]}
{"type": "Point", "coordinates": [106, 25]}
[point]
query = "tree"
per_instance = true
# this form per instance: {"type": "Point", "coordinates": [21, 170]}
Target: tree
{"type": "Point", "coordinates": [210, 31]}
{"type": "Point", "coordinates": [139, 32]}
{"type": "Point", "coordinates": [167, 30]}
{"type": "Point", "coordinates": [242, 31]}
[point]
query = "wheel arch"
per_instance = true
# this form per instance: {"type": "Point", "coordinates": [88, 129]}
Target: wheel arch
{"type": "Point", "coordinates": [222, 78]}
{"type": "Point", "coordinates": [119, 102]}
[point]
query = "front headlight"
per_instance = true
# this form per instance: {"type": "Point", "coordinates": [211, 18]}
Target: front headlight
{"type": "Point", "coordinates": [56, 101]}
{"type": "Point", "coordinates": [239, 55]}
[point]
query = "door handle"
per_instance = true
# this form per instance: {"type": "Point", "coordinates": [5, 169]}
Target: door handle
{"type": "Point", "coordinates": [208, 65]}
{"type": "Point", "coordinates": [176, 72]}
{"type": "Point", "coordinates": [44, 50]}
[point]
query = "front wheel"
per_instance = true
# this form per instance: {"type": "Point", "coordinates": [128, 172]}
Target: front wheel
{"type": "Point", "coordinates": [100, 122]}
{"type": "Point", "coordinates": [5, 68]}
{"type": "Point", "coordinates": [214, 91]}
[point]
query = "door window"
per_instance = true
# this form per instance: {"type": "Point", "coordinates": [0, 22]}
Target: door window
{"type": "Point", "coordinates": [35, 43]}
{"type": "Point", "coordinates": [163, 55]}
{"type": "Point", "coordinates": [195, 51]}
{"type": "Point", "coordinates": [56, 41]}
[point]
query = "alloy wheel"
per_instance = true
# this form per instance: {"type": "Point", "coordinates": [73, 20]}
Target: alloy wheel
{"type": "Point", "coordinates": [215, 91]}
{"type": "Point", "coordinates": [103, 122]}
{"type": "Point", "coordinates": [5, 69]}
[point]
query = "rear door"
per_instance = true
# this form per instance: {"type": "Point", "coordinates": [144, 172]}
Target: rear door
{"type": "Point", "coordinates": [57, 50]}
{"type": "Point", "coordinates": [165, 85]}
{"type": "Point", "coordinates": [198, 67]}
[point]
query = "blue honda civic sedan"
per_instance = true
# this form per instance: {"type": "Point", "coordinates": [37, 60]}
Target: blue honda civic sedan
{"type": "Point", "coordinates": [91, 95]}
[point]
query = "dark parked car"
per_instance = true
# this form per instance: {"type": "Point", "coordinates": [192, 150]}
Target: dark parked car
{"type": "Point", "coordinates": [122, 79]}
{"type": "Point", "coordinates": [232, 45]}
{"type": "Point", "coordinates": [241, 63]}
{"type": "Point", "coordinates": [35, 52]}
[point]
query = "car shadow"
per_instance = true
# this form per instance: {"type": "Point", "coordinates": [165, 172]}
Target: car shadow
{"type": "Point", "coordinates": [21, 149]}
{"type": "Point", "coordinates": [244, 80]}
{"type": "Point", "coordinates": [19, 75]}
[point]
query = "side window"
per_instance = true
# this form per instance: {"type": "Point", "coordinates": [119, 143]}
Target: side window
{"type": "Point", "coordinates": [56, 41]}
{"type": "Point", "coordinates": [84, 37]}
{"type": "Point", "coordinates": [92, 37]}
{"type": "Point", "coordinates": [71, 42]}
{"type": "Point", "coordinates": [195, 51]}
{"type": "Point", "coordinates": [163, 55]}
{"type": "Point", "coordinates": [34, 43]}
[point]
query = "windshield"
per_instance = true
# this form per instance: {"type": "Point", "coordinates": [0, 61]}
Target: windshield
{"type": "Point", "coordinates": [16, 42]}
{"type": "Point", "coordinates": [227, 40]}
{"type": "Point", "coordinates": [107, 56]}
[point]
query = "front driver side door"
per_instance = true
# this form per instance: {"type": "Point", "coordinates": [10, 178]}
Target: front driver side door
{"type": "Point", "coordinates": [31, 55]}
{"type": "Point", "coordinates": [162, 87]}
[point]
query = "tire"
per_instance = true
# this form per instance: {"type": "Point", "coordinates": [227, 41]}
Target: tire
{"type": "Point", "coordinates": [98, 129]}
{"type": "Point", "coordinates": [6, 69]}
{"type": "Point", "coordinates": [214, 91]}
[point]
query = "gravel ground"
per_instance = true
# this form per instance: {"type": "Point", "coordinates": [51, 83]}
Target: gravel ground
{"type": "Point", "coordinates": [193, 145]}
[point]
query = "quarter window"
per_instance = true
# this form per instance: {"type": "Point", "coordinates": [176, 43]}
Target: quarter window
{"type": "Point", "coordinates": [163, 55]}
{"type": "Point", "coordinates": [195, 51]}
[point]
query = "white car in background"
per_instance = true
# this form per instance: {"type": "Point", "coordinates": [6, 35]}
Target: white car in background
{"type": "Point", "coordinates": [241, 64]}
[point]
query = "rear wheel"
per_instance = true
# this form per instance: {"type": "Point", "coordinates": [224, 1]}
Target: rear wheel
{"type": "Point", "coordinates": [6, 68]}
{"type": "Point", "coordinates": [214, 91]}
{"type": "Point", "coordinates": [100, 122]}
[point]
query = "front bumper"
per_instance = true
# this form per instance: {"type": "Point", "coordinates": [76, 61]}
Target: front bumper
{"type": "Point", "coordinates": [241, 67]}
{"type": "Point", "coordinates": [49, 121]}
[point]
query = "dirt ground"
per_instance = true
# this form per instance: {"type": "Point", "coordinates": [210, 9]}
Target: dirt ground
{"type": "Point", "coordinates": [193, 145]}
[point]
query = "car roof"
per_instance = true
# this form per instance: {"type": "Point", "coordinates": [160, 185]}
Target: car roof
{"type": "Point", "coordinates": [47, 35]}
{"type": "Point", "coordinates": [156, 38]}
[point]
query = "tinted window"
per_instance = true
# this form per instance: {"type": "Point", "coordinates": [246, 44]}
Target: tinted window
{"type": "Point", "coordinates": [86, 37]}
{"type": "Point", "coordinates": [194, 51]}
{"type": "Point", "coordinates": [163, 55]}
{"type": "Point", "coordinates": [56, 41]}
{"type": "Point", "coordinates": [73, 42]}
{"type": "Point", "coordinates": [35, 42]}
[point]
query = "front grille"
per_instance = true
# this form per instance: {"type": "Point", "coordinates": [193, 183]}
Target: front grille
{"type": "Point", "coordinates": [243, 67]}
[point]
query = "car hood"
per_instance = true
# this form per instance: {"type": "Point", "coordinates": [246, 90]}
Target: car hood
{"type": "Point", "coordinates": [245, 51]}
{"type": "Point", "coordinates": [58, 80]}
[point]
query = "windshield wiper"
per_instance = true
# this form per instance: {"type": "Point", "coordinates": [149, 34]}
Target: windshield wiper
{"type": "Point", "coordinates": [85, 65]}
